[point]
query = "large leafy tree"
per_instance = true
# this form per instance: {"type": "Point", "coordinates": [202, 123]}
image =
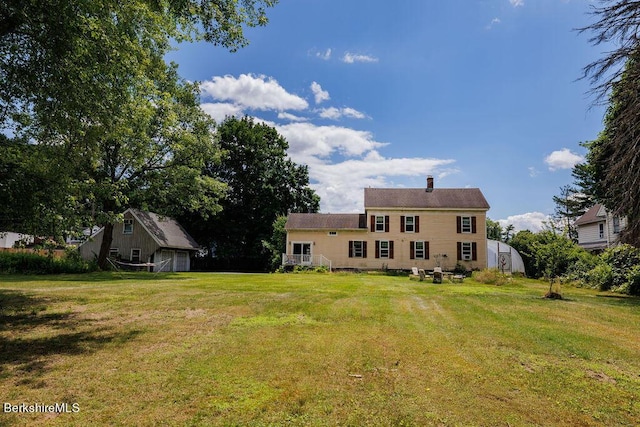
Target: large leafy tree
{"type": "Point", "coordinates": [85, 85]}
{"type": "Point", "coordinates": [263, 184]}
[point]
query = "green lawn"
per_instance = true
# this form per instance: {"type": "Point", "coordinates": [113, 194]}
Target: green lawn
{"type": "Point", "coordinates": [315, 350]}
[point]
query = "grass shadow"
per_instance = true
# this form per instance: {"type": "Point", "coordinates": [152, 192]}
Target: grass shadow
{"type": "Point", "coordinates": [30, 336]}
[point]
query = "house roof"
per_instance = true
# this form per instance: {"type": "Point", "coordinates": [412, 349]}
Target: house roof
{"type": "Point", "coordinates": [298, 221]}
{"type": "Point", "coordinates": [167, 232]}
{"type": "Point", "coordinates": [419, 198]}
{"type": "Point", "coordinates": [594, 214]}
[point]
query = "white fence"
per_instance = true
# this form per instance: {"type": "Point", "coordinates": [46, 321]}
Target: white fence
{"type": "Point", "coordinates": [306, 260]}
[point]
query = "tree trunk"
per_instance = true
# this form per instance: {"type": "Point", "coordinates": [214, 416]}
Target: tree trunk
{"type": "Point", "coordinates": [107, 238]}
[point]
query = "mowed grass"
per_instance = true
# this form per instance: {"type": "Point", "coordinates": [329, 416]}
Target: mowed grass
{"type": "Point", "coordinates": [315, 350]}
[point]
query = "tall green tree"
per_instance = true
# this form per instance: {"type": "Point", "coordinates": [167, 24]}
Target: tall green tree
{"type": "Point", "coordinates": [614, 156]}
{"type": "Point", "coordinates": [570, 205]}
{"type": "Point", "coordinates": [494, 230]}
{"type": "Point", "coordinates": [87, 83]}
{"type": "Point", "coordinates": [263, 184]}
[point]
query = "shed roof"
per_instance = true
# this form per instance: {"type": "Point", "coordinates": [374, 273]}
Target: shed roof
{"type": "Point", "coordinates": [419, 198]}
{"type": "Point", "coordinates": [300, 221]}
{"type": "Point", "coordinates": [166, 231]}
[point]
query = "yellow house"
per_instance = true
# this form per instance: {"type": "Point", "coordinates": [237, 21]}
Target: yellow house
{"type": "Point", "coordinates": [400, 229]}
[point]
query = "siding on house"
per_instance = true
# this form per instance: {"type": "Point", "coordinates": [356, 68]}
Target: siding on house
{"type": "Point", "coordinates": [598, 229]}
{"type": "Point", "coordinates": [437, 217]}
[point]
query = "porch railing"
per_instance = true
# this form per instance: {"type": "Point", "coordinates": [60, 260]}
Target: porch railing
{"type": "Point", "coordinates": [306, 260]}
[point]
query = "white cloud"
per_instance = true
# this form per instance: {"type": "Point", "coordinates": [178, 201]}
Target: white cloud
{"type": "Point", "coordinates": [494, 21]}
{"type": "Point", "coordinates": [562, 159]}
{"type": "Point", "coordinates": [334, 113]}
{"type": "Point", "coordinates": [516, 3]}
{"type": "Point", "coordinates": [350, 58]}
{"type": "Point", "coordinates": [532, 221]}
{"type": "Point", "coordinates": [251, 91]}
{"type": "Point", "coordinates": [319, 94]}
{"type": "Point", "coordinates": [533, 172]}
{"type": "Point", "coordinates": [291, 117]}
{"type": "Point", "coordinates": [340, 185]}
{"type": "Point", "coordinates": [219, 111]}
{"type": "Point", "coordinates": [309, 143]}
{"type": "Point", "coordinates": [342, 161]}
{"type": "Point", "coordinates": [326, 55]}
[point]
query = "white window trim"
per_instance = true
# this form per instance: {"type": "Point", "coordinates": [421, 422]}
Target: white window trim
{"type": "Point", "coordinates": [466, 228]}
{"type": "Point", "coordinates": [124, 226]}
{"type": "Point", "coordinates": [387, 249]}
{"type": "Point", "coordinates": [415, 250]}
{"type": "Point", "coordinates": [358, 252]}
{"type": "Point", "coordinates": [382, 224]}
{"type": "Point", "coordinates": [467, 251]}
{"type": "Point", "coordinates": [413, 224]}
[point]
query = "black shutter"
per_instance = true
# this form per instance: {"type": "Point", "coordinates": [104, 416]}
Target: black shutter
{"type": "Point", "coordinates": [416, 224]}
{"type": "Point", "coordinates": [350, 248]}
{"type": "Point", "coordinates": [459, 225]}
{"type": "Point", "coordinates": [391, 249]}
{"type": "Point", "coordinates": [473, 224]}
{"type": "Point", "coordinates": [364, 249]}
{"type": "Point", "coordinates": [459, 251]}
{"type": "Point", "coordinates": [402, 224]}
{"type": "Point", "coordinates": [377, 248]}
{"type": "Point", "coordinates": [386, 223]}
{"type": "Point", "coordinates": [426, 250]}
{"type": "Point", "coordinates": [412, 250]}
{"type": "Point", "coordinates": [373, 223]}
{"type": "Point", "coordinates": [474, 251]}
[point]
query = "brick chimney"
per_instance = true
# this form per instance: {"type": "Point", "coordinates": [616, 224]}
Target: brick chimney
{"type": "Point", "coordinates": [429, 183]}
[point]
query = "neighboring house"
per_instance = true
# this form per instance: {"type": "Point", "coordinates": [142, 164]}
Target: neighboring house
{"type": "Point", "coordinates": [145, 237]}
{"type": "Point", "coordinates": [400, 229]}
{"type": "Point", "coordinates": [598, 229]}
{"type": "Point", "coordinates": [8, 239]}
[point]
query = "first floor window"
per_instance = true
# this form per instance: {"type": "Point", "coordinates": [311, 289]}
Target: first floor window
{"type": "Point", "coordinates": [616, 224]}
{"type": "Point", "coordinates": [135, 256]}
{"type": "Point", "coordinates": [128, 226]}
{"type": "Point", "coordinates": [467, 251]}
{"type": "Point", "coordinates": [357, 249]}
{"type": "Point", "coordinates": [384, 249]}
{"type": "Point", "coordinates": [114, 252]}
{"type": "Point", "coordinates": [419, 250]}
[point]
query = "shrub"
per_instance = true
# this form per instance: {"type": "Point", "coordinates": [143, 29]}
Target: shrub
{"type": "Point", "coordinates": [491, 276]}
{"type": "Point", "coordinates": [33, 263]}
{"type": "Point", "coordinates": [600, 277]}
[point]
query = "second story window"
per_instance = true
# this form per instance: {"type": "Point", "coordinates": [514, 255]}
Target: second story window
{"type": "Point", "coordinates": [601, 231]}
{"type": "Point", "coordinates": [616, 224]}
{"type": "Point", "coordinates": [466, 224]}
{"type": "Point", "coordinates": [128, 226]}
{"type": "Point", "coordinates": [379, 224]}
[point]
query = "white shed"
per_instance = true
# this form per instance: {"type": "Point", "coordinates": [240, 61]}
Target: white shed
{"type": "Point", "coordinates": [503, 257]}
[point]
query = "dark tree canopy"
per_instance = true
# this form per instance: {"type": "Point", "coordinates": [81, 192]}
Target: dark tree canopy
{"type": "Point", "coordinates": [263, 184]}
{"type": "Point", "coordinates": [612, 169]}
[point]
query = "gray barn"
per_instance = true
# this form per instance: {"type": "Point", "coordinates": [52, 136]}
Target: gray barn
{"type": "Point", "coordinates": [145, 237]}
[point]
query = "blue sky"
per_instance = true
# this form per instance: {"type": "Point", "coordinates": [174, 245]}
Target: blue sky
{"type": "Point", "coordinates": [477, 93]}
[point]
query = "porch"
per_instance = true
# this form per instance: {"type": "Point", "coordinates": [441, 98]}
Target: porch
{"type": "Point", "coordinates": [306, 260]}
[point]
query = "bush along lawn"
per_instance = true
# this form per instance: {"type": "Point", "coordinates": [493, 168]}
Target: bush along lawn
{"type": "Point", "coordinates": [314, 350]}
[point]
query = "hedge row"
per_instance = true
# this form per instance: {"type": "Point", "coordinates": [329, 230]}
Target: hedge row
{"type": "Point", "coordinates": [32, 263]}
